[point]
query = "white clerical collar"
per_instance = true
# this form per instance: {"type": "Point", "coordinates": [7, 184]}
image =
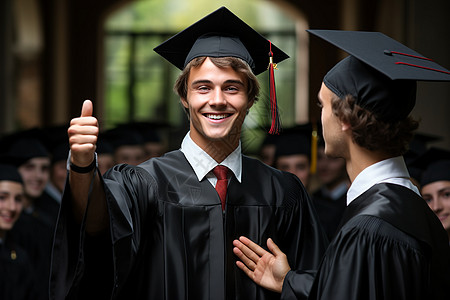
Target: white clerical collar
{"type": "Point", "coordinates": [202, 163]}
{"type": "Point", "coordinates": [391, 170]}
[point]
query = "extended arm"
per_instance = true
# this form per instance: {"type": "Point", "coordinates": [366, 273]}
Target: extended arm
{"type": "Point", "coordinates": [83, 133]}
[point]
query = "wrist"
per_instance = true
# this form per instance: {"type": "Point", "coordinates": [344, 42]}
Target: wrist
{"type": "Point", "coordinates": [82, 170]}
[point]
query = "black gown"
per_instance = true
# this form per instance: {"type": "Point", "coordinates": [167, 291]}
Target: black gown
{"type": "Point", "coordinates": [391, 246]}
{"type": "Point", "coordinates": [169, 238]}
{"type": "Point", "coordinates": [329, 210]}
{"type": "Point", "coordinates": [17, 277]}
{"type": "Point", "coordinates": [34, 233]}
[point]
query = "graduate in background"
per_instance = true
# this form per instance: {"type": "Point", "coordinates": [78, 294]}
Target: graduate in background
{"type": "Point", "coordinates": [390, 244]}
{"type": "Point", "coordinates": [35, 228]}
{"type": "Point", "coordinates": [293, 152]}
{"type": "Point", "coordinates": [330, 198]}
{"type": "Point", "coordinates": [435, 183]}
{"type": "Point", "coordinates": [17, 277]}
{"type": "Point", "coordinates": [160, 230]}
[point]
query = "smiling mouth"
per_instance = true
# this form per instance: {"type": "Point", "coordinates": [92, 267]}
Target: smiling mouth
{"type": "Point", "coordinates": [443, 217]}
{"type": "Point", "coordinates": [7, 219]}
{"type": "Point", "coordinates": [217, 116]}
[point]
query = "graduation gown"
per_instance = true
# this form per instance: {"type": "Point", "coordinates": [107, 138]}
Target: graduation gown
{"type": "Point", "coordinates": [391, 246]}
{"type": "Point", "coordinates": [169, 238]}
{"type": "Point", "coordinates": [329, 210]}
{"type": "Point", "coordinates": [17, 277]}
{"type": "Point", "coordinates": [34, 234]}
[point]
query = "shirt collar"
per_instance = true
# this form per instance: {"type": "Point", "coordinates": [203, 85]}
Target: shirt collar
{"type": "Point", "coordinates": [202, 163]}
{"type": "Point", "coordinates": [388, 170]}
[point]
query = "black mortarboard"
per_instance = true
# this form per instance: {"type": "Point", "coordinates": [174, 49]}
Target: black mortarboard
{"type": "Point", "coordinates": [295, 140]}
{"type": "Point", "coordinates": [220, 34]}
{"type": "Point", "coordinates": [149, 131]}
{"type": "Point", "coordinates": [26, 148]}
{"type": "Point", "coordinates": [380, 72]}
{"type": "Point", "coordinates": [122, 136]}
{"type": "Point", "coordinates": [104, 146]}
{"type": "Point", "coordinates": [435, 163]}
{"type": "Point", "coordinates": [60, 151]}
{"type": "Point", "coordinates": [56, 141]}
{"type": "Point", "coordinates": [9, 173]}
{"type": "Point", "coordinates": [21, 146]}
{"type": "Point", "coordinates": [292, 144]}
{"type": "Point", "coordinates": [418, 147]}
{"type": "Point", "coordinates": [223, 34]}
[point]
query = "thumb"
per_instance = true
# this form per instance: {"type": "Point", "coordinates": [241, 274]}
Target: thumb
{"type": "Point", "coordinates": [87, 109]}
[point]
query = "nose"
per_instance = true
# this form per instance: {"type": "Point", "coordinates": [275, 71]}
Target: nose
{"type": "Point", "coordinates": [436, 204]}
{"type": "Point", "coordinates": [11, 205]}
{"type": "Point", "coordinates": [217, 98]}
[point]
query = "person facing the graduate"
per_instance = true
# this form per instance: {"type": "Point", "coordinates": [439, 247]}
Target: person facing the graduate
{"type": "Point", "coordinates": [390, 244]}
{"type": "Point", "coordinates": [160, 230]}
{"type": "Point", "coordinates": [17, 277]}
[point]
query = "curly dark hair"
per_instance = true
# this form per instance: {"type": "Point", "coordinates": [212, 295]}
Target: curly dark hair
{"type": "Point", "coordinates": [370, 132]}
{"type": "Point", "coordinates": [237, 64]}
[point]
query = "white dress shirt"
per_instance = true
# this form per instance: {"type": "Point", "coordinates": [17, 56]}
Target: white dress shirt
{"type": "Point", "coordinates": [203, 164]}
{"type": "Point", "coordinates": [391, 170]}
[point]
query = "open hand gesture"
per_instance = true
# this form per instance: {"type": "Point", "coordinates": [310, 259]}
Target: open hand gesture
{"type": "Point", "coordinates": [268, 269]}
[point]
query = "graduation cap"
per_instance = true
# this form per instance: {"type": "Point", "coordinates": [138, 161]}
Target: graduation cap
{"type": "Point", "coordinates": [122, 135]}
{"type": "Point", "coordinates": [149, 131]}
{"type": "Point", "coordinates": [223, 34]}
{"type": "Point", "coordinates": [56, 141]}
{"type": "Point", "coordinates": [9, 173]}
{"type": "Point", "coordinates": [418, 147]}
{"type": "Point", "coordinates": [435, 165]}
{"type": "Point", "coordinates": [21, 146]}
{"type": "Point", "coordinates": [300, 139]}
{"type": "Point", "coordinates": [380, 72]}
{"type": "Point", "coordinates": [104, 146]}
{"type": "Point", "coordinates": [292, 144]}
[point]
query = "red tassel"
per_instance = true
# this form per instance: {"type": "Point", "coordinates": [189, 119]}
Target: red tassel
{"type": "Point", "coordinates": [275, 127]}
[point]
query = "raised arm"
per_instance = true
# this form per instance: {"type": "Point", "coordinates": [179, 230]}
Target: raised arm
{"type": "Point", "coordinates": [268, 269]}
{"type": "Point", "coordinates": [83, 133]}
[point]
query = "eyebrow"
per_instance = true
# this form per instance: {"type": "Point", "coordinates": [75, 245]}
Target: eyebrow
{"type": "Point", "coordinates": [206, 81]}
{"type": "Point", "coordinates": [444, 189]}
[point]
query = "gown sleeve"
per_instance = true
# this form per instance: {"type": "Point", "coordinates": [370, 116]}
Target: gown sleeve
{"type": "Point", "coordinates": [297, 284]}
{"type": "Point", "coordinates": [82, 264]}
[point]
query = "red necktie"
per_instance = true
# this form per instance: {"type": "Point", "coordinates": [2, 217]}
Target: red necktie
{"type": "Point", "coordinates": [221, 172]}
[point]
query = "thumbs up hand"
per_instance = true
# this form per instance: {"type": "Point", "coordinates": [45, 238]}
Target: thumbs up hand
{"type": "Point", "coordinates": [83, 134]}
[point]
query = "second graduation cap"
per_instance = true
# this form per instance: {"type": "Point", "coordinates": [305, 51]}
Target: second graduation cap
{"type": "Point", "coordinates": [380, 72]}
{"type": "Point", "coordinates": [435, 165]}
{"type": "Point", "coordinates": [223, 34]}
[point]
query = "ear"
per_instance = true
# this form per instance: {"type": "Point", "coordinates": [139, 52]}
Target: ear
{"type": "Point", "coordinates": [345, 126]}
{"type": "Point", "coordinates": [184, 102]}
{"type": "Point", "coordinates": [250, 103]}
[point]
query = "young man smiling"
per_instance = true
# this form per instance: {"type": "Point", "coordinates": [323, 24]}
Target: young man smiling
{"type": "Point", "coordinates": [160, 230]}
